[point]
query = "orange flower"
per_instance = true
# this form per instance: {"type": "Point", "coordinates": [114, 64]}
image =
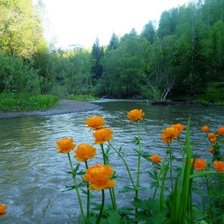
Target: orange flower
{"type": "Point", "coordinates": [84, 152]}
{"type": "Point", "coordinates": [135, 115]}
{"type": "Point", "coordinates": [155, 158]}
{"type": "Point", "coordinates": [205, 128]}
{"type": "Point", "coordinates": [100, 177]}
{"type": "Point", "coordinates": [219, 166]}
{"type": "Point", "coordinates": [102, 135]}
{"type": "Point", "coordinates": [3, 209]}
{"type": "Point", "coordinates": [200, 164]}
{"type": "Point", "coordinates": [179, 128]}
{"type": "Point", "coordinates": [212, 140]}
{"type": "Point", "coordinates": [221, 130]}
{"type": "Point", "coordinates": [65, 145]}
{"type": "Point", "coordinates": [211, 135]}
{"type": "Point", "coordinates": [95, 122]}
{"type": "Point", "coordinates": [169, 134]}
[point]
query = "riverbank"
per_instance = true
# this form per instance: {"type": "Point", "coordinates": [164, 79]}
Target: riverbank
{"type": "Point", "coordinates": [62, 107]}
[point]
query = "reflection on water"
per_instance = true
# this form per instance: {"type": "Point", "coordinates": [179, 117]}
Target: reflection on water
{"type": "Point", "coordinates": [33, 175]}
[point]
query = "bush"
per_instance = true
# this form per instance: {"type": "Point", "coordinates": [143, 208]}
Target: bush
{"type": "Point", "coordinates": [17, 76]}
{"type": "Point", "coordinates": [214, 92]}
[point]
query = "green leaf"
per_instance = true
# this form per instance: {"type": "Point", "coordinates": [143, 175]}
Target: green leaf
{"type": "Point", "coordinates": [114, 218]}
{"type": "Point", "coordinates": [153, 175]}
{"type": "Point", "coordinates": [126, 211]}
{"type": "Point", "coordinates": [126, 189]}
{"type": "Point", "coordinates": [149, 205]}
{"type": "Point", "coordinates": [76, 168]}
{"type": "Point", "coordinates": [137, 140]}
{"type": "Point", "coordinates": [81, 173]}
{"type": "Point", "coordinates": [203, 173]}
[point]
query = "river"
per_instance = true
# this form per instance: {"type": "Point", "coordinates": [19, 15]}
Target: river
{"type": "Point", "coordinates": [33, 175]}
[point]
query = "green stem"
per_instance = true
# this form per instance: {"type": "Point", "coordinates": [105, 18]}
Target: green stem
{"type": "Point", "coordinates": [190, 207]}
{"type": "Point", "coordinates": [101, 209]}
{"type": "Point", "coordinates": [88, 194]}
{"type": "Point", "coordinates": [158, 181]}
{"type": "Point", "coordinates": [171, 166]}
{"type": "Point", "coordinates": [125, 164]}
{"type": "Point", "coordinates": [114, 199]}
{"type": "Point", "coordinates": [76, 187]}
{"type": "Point", "coordinates": [163, 173]}
{"type": "Point", "coordinates": [138, 166]}
{"type": "Point", "coordinates": [209, 197]}
{"type": "Point", "coordinates": [112, 193]}
{"type": "Point", "coordinates": [104, 154]}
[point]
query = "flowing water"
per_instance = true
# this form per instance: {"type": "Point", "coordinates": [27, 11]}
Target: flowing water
{"type": "Point", "coordinates": [33, 175]}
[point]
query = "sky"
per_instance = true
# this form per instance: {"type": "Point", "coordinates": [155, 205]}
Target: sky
{"type": "Point", "coordinates": [80, 22]}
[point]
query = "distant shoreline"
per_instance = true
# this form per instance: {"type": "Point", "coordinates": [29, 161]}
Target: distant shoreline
{"type": "Point", "coordinates": [63, 107]}
{"type": "Point", "coordinates": [71, 106]}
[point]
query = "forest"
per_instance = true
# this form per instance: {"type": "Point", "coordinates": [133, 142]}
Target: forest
{"type": "Point", "coordinates": [181, 59]}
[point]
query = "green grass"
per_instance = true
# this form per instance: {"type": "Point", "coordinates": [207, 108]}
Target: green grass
{"type": "Point", "coordinates": [82, 97]}
{"type": "Point", "coordinates": [25, 102]}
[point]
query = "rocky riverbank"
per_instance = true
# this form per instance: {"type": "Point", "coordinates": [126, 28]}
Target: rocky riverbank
{"type": "Point", "coordinates": [63, 107]}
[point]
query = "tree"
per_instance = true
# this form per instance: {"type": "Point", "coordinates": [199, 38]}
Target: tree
{"type": "Point", "coordinates": [124, 67]}
{"type": "Point", "coordinates": [217, 43]}
{"type": "Point", "coordinates": [96, 55]}
{"type": "Point", "coordinates": [168, 22]}
{"type": "Point", "coordinates": [21, 37]}
{"type": "Point", "coordinates": [20, 28]}
{"type": "Point", "coordinates": [114, 42]}
{"type": "Point", "coordinates": [149, 32]}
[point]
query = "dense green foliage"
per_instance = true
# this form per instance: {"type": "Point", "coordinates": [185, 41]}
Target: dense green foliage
{"type": "Point", "coordinates": [182, 58]}
{"type": "Point", "coordinates": [18, 76]}
{"type": "Point", "coordinates": [20, 39]}
{"type": "Point", "coordinates": [214, 92]}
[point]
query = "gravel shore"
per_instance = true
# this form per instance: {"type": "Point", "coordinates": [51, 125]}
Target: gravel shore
{"type": "Point", "coordinates": [63, 107]}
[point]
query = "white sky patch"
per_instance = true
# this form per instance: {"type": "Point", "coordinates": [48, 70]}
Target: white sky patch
{"type": "Point", "coordinates": [82, 21]}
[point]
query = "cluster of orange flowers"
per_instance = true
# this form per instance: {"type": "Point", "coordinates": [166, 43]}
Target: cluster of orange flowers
{"type": "Point", "coordinates": [172, 132]}
{"type": "Point", "coordinates": [83, 151]}
{"type": "Point", "coordinates": [200, 164]}
{"type": "Point", "coordinates": [212, 137]}
{"type": "Point", "coordinates": [101, 134]}
{"type": "Point", "coordinates": [98, 175]}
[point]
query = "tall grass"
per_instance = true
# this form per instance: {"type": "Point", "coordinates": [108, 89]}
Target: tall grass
{"type": "Point", "coordinates": [180, 199]}
{"type": "Point", "coordinates": [25, 102]}
{"type": "Point", "coordinates": [82, 97]}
